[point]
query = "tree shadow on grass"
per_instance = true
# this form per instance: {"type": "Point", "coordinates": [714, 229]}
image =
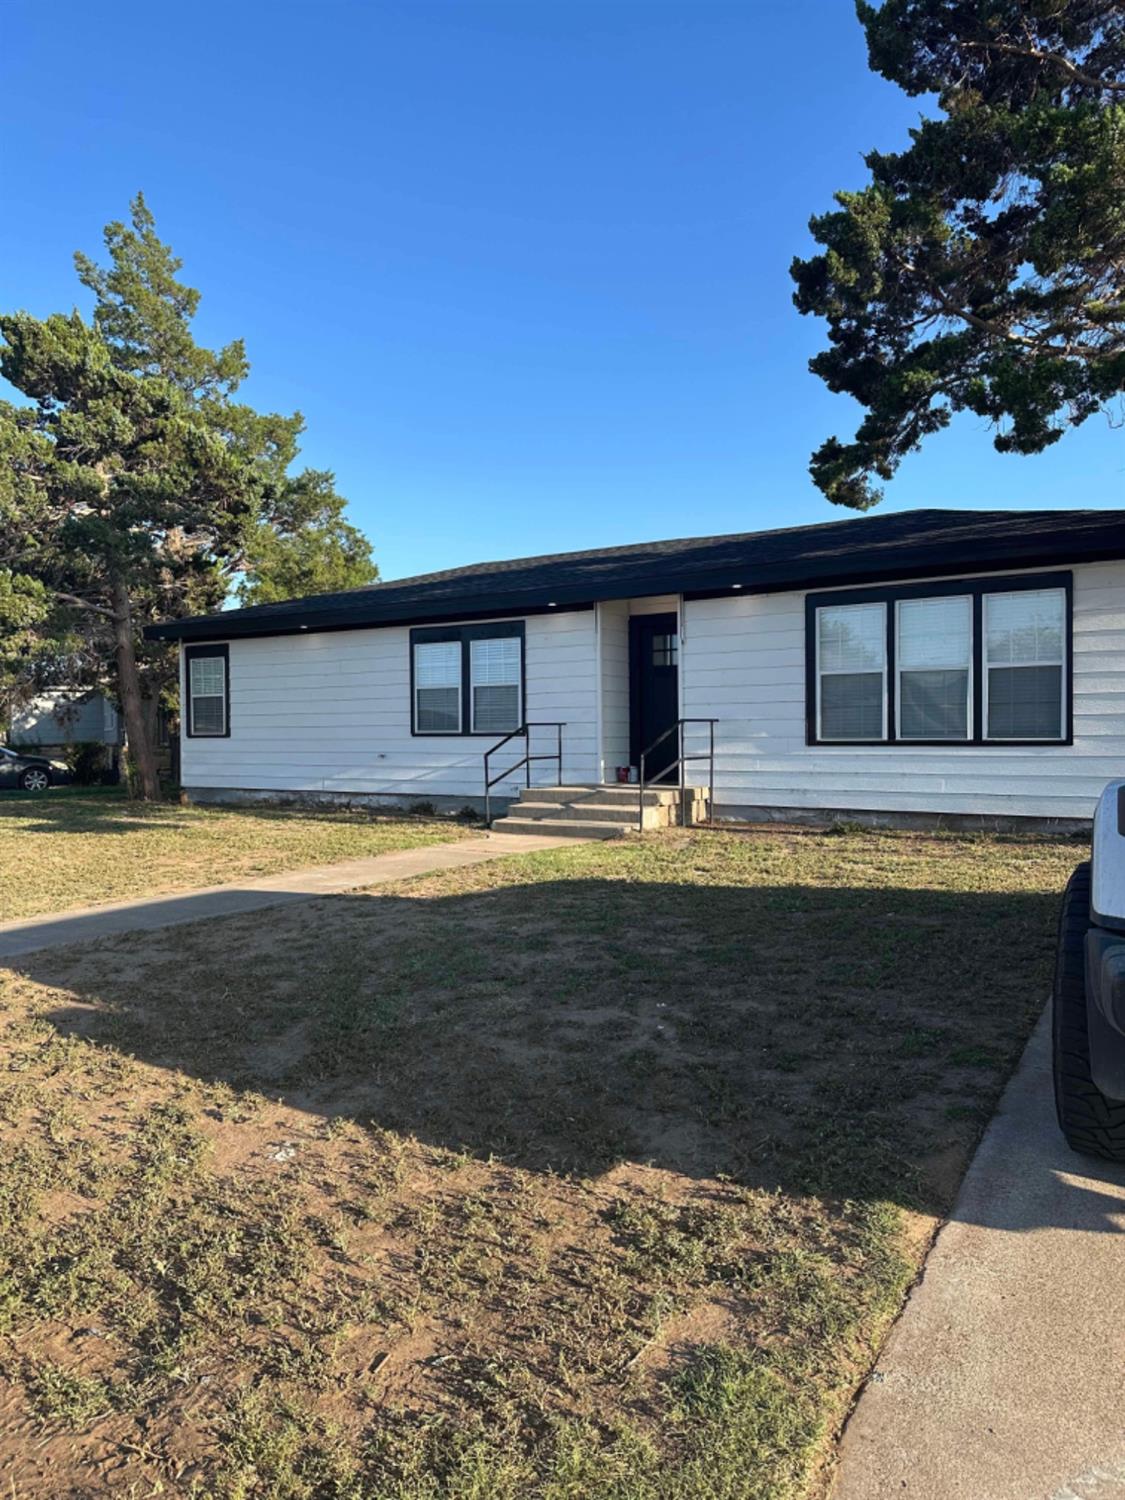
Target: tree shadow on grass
{"type": "Point", "coordinates": [78, 810]}
{"type": "Point", "coordinates": [844, 1042]}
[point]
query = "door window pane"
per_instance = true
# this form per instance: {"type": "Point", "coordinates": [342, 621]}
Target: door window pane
{"type": "Point", "coordinates": [665, 650]}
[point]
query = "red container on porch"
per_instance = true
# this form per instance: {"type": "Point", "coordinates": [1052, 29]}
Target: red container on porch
{"type": "Point", "coordinates": [623, 773]}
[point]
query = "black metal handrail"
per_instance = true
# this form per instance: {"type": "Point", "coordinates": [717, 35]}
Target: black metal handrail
{"type": "Point", "coordinates": [678, 766]}
{"type": "Point", "coordinates": [521, 733]}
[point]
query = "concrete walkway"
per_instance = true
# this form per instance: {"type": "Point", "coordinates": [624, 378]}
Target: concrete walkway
{"type": "Point", "coordinates": [1005, 1376]}
{"type": "Point", "coordinates": [87, 924]}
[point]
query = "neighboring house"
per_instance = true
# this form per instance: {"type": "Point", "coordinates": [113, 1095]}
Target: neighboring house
{"type": "Point", "coordinates": [963, 663]}
{"type": "Point", "coordinates": [53, 720]}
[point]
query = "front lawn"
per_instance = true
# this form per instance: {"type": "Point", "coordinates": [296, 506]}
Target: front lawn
{"type": "Point", "coordinates": [599, 1172]}
{"type": "Point", "coordinates": [59, 851]}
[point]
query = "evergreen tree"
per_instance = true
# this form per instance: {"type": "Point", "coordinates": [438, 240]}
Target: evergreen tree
{"type": "Point", "coordinates": [983, 268]}
{"type": "Point", "coordinates": [134, 486]}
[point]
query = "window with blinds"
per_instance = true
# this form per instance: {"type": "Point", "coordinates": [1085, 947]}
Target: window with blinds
{"type": "Point", "coordinates": [934, 660]}
{"type": "Point", "coordinates": [207, 694]}
{"type": "Point", "coordinates": [468, 679]}
{"type": "Point", "coordinates": [851, 670]}
{"type": "Point", "coordinates": [967, 662]}
{"type": "Point", "coordinates": [494, 684]}
{"type": "Point", "coordinates": [1025, 644]}
{"type": "Point", "coordinates": [437, 687]}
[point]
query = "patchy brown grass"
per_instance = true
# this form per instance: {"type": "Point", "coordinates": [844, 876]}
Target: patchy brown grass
{"type": "Point", "coordinates": [60, 851]}
{"type": "Point", "coordinates": [597, 1172]}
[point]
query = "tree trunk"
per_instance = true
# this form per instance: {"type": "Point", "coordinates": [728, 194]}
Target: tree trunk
{"type": "Point", "coordinates": [129, 688]}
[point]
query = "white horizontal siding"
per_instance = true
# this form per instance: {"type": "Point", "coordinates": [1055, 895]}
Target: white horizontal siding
{"type": "Point", "coordinates": [332, 712]}
{"type": "Point", "coordinates": [744, 664]}
{"type": "Point", "coordinates": [655, 604]}
{"type": "Point", "coordinates": [614, 646]}
{"type": "Point", "coordinates": [613, 637]}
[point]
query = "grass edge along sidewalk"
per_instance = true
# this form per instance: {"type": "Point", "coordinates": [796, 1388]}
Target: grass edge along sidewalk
{"type": "Point", "coordinates": [58, 853]}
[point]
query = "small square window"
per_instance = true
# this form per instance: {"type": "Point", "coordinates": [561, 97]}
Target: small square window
{"type": "Point", "coordinates": [665, 650]}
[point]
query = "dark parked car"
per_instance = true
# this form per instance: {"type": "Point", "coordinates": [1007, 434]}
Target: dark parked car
{"type": "Point", "coordinates": [32, 773]}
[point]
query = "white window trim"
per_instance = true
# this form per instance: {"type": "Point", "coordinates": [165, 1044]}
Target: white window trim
{"type": "Point", "coordinates": [1064, 685]}
{"type": "Point", "coordinates": [837, 672]}
{"type": "Point", "coordinates": [922, 739]}
{"type": "Point", "coordinates": [193, 697]}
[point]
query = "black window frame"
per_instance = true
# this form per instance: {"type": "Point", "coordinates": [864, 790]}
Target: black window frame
{"type": "Point", "coordinates": [193, 653]}
{"type": "Point", "coordinates": [975, 589]}
{"type": "Point", "coordinates": [465, 634]}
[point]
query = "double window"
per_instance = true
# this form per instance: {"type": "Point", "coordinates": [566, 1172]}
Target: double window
{"type": "Point", "coordinates": [207, 689]}
{"type": "Point", "coordinates": [467, 679]}
{"type": "Point", "coordinates": [975, 662]}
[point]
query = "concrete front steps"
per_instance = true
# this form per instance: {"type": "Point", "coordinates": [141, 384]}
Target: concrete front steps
{"type": "Point", "coordinates": [598, 812]}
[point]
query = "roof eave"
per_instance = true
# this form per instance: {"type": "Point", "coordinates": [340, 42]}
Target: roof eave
{"type": "Point", "coordinates": [810, 573]}
{"type": "Point", "coordinates": [307, 622]}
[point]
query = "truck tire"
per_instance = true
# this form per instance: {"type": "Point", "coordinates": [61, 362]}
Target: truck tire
{"type": "Point", "coordinates": [1092, 1124]}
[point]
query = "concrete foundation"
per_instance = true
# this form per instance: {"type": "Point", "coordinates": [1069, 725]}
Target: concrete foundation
{"type": "Point", "coordinates": [437, 806]}
{"type": "Point", "coordinates": [725, 813]}
{"type": "Point", "coordinates": [923, 822]}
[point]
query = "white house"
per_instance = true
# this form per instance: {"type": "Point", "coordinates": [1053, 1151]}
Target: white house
{"type": "Point", "coordinates": [967, 664]}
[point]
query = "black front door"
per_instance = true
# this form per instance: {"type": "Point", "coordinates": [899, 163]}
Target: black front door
{"type": "Point", "coordinates": [654, 658]}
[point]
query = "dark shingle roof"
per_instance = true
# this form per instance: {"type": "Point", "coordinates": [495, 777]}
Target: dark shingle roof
{"type": "Point", "coordinates": [863, 549]}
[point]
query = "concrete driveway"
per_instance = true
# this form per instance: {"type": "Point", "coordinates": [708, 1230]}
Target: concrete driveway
{"type": "Point", "coordinates": [1004, 1379]}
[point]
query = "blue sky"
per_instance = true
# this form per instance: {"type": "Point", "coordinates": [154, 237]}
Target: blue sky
{"type": "Point", "coordinates": [523, 266]}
